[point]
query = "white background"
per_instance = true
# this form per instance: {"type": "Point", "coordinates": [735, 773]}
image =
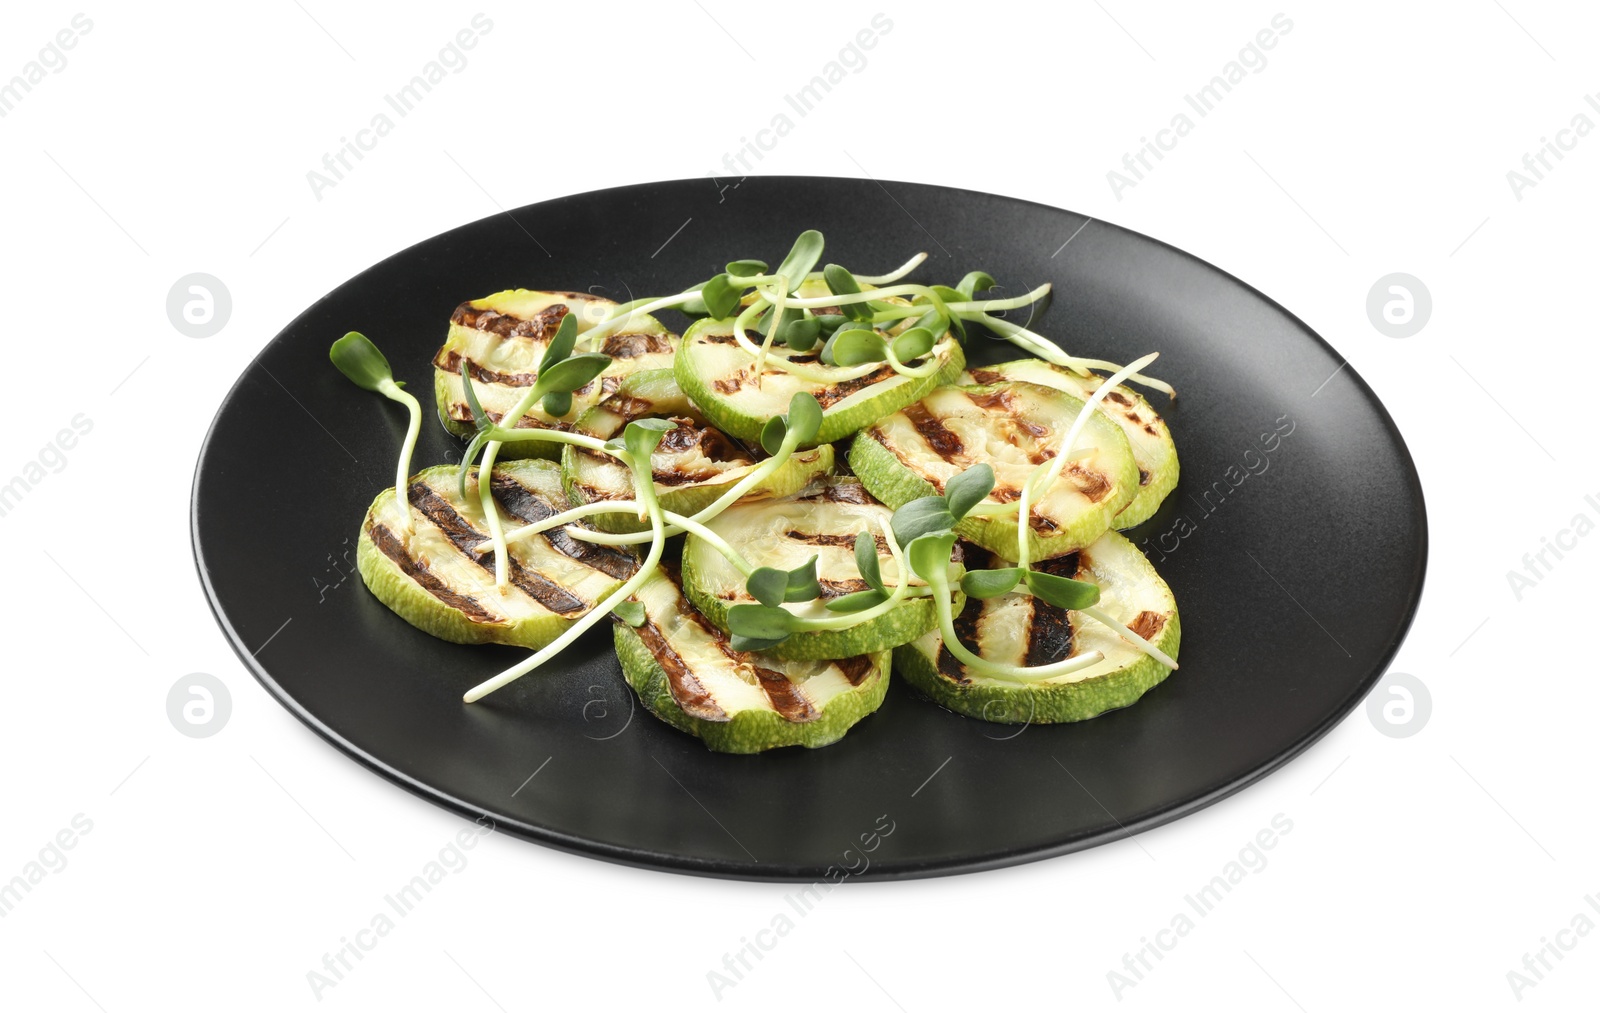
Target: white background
{"type": "Point", "coordinates": [1377, 138]}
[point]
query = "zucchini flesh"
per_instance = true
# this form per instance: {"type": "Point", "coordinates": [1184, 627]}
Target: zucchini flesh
{"type": "Point", "coordinates": [687, 674]}
{"type": "Point", "coordinates": [693, 465]}
{"type": "Point", "coordinates": [1014, 427]}
{"type": "Point", "coordinates": [1147, 433]}
{"type": "Point", "coordinates": [433, 580]}
{"type": "Point", "coordinates": [505, 336]}
{"type": "Point", "coordinates": [1018, 629]}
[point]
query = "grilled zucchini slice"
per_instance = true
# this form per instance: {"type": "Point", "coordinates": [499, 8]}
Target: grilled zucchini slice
{"type": "Point", "coordinates": [1014, 427]}
{"type": "Point", "coordinates": [785, 533]}
{"type": "Point", "coordinates": [1017, 629]}
{"type": "Point", "coordinates": [718, 377]}
{"type": "Point", "coordinates": [688, 675]}
{"type": "Point", "coordinates": [505, 336]}
{"type": "Point", "coordinates": [1147, 433]}
{"type": "Point", "coordinates": [434, 581]}
{"type": "Point", "coordinates": [693, 465]}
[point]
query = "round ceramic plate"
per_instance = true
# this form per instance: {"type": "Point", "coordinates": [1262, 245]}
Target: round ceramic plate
{"type": "Point", "coordinates": [1295, 544]}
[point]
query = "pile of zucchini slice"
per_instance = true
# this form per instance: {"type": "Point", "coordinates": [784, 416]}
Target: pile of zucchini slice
{"type": "Point", "coordinates": [481, 564]}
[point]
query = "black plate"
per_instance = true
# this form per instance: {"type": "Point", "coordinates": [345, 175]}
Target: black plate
{"type": "Point", "coordinates": [1297, 569]}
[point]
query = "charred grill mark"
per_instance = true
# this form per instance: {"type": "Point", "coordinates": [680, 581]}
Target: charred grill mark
{"type": "Point", "coordinates": [464, 537]}
{"type": "Point", "coordinates": [687, 691]}
{"type": "Point", "coordinates": [1119, 398]}
{"type": "Point", "coordinates": [1050, 634]}
{"type": "Point", "coordinates": [1092, 484]}
{"type": "Point", "coordinates": [418, 571]}
{"type": "Point", "coordinates": [985, 376]}
{"type": "Point", "coordinates": [451, 362]}
{"type": "Point", "coordinates": [966, 628]}
{"type": "Point", "coordinates": [844, 492]}
{"type": "Point", "coordinates": [631, 346]}
{"type": "Point", "coordinates": [712, 442]}
{"type": "Point", "coordinates": [1005, 493]}
{"type": "Point", "coordinates": [1149, 624]}
{"type": "Point", "coordinates": [991, 400]}
{"type": "Point", "coordinates": [520, 502]}
{"type": "Point", "coordinates": [842, 541]}
{"type": "Point", "coordinates": [840, 588]}
{"type": "Point", "coordinates": [629, 408]}
{"type": "Point", "coordinates": [855, 669]}
{"type": "Point", "coordinates": [718, 339]}
{"type": "Point", "coordinates": [827, 397]}
{"type": "Point", "coordinates": [933, 431]}
{"type": "Point", "coordinates": [729, 385]}
{"type": "Point", "coordinates": [1144, 477]}
{"type": "Point", "coordinates": [462, 412]}
{"type": "Point", "coordinates": [541, 326]}
{"type": "Point", "coordinates": [785, 697]}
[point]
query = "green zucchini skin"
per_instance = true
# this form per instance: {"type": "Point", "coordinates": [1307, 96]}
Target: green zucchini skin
{"type": "Point", "coordinates": [703, 362]}
{"type": "Point", "coordinates": [1130, 587]}
{"type": "Point", "coordinates": [713, 585]}
{"type": "Point", "coordinates": [428, 580]}
{"type": "Point", "coordinates": [588, 477]}
{"type": "Point", "coordinates": [723, 726]}
{"type": "Point", "coordinates": [1148, 436]}
{"type": "Point", "coordinates": [505, 335]}
{"type": "Point", "coordinates": [896, 462]}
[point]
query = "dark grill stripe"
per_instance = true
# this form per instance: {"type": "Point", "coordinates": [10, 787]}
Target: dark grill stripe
{"type": "Point", "coordinates": [1050, 635]}
{"type": "Point", "coordinates": [450, 362]}
{"type": "Point", "coordinates": [966, 628]}
{"type": "Point", "coordinates": [522, 503]}
{"type": "Point", "coordinates": [840, 588]}
{"type": "Point", "coordinates": [839, 541]}
{"type": "Point", "coordinates": [855, 669]}
{"type": "Point", "coordinates": [465, 537]}
{"type": "Point", "coordinates": [785, 697]}
{"type": "Point", "coordinates": [933, 431]}
{"type": "Point", "coordinates": [541, 326]}
{"type": "Point", "coordinates": [390, 546]}
{"type": "Point", "coordinates": [687, 691]}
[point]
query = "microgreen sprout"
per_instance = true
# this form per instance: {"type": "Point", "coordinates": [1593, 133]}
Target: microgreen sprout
{"type": "Point", "coordinates": [359, 360]}
{"type": "Point", "coordinates": [639, 440]}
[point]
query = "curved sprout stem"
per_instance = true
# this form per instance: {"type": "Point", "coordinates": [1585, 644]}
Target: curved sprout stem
{"type": "Point", "coordinates": [1046, 474]}
{"type": "Point", "coordinates": [895, 275]}
{"type": "Point", "coordinates": [645, 484]}
{"type": "Point", "coordinates": [772, 328]}
{"type": "Point", "coordinates": [1101, 616]}
{"type": "Point", "coordinates": [941, 600]}
{"type": "Point", "coordinates": [402, 473]}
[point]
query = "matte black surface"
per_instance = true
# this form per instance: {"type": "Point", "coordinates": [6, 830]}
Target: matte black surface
{"type": "Point", "coordinates": [1335, 514]}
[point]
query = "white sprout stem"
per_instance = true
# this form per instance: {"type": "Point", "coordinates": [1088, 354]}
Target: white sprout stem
{"type": "Point", "coordinates": [402, 472]}
{"type": "Point", "coordinates": [823, 301]}
{"type": "Point", "coordinates": [827, 374]}
{"type": "Point", "coordinates": [622, 314]}
{"type": "Point", "coordinates": [896, 274]}
{"type": "Point", "coordinates": [491, 513]}
{"type": "Point", "coordinates": [600, 611]}
{"type": "Point", "coordinates": [1100, 616]}
{"type": "Point", "coordinates": [1014, 303]}
{"type": "Point", "coordinates": [551, 436]}
{"type": "Point", "coordinates": [932, 366]}
{"type": "Point", "coordinates": [1051, 352]}
{"type": "Point", "coordinates": [708, 513]}
{"type": "Point", "coordinates": [1012, 673]}
{"type": "Point", "coordinates": [1053, 470]}
{"type": "Point", "coordinates": [715, 540]}
{"type": "Point", "coordinates": [772, 329]}
{"type": "Point", "coordinates": [526, 531]}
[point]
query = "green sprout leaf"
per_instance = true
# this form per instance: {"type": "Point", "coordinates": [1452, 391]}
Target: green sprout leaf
{"type": "Point", "coordinates": [852, 346]}
{"type": "Point", "coordinates": [974, 282]}
{"type": "Point", "coordinates": [720, 297]}
{"type": "Point", "coordinates": [768, 585]}
{"type": "Point", "coordinates": [857, 601]}
{"type": "Point", "coordinates": [805, 417]}
{"type": "Point", "coordinates": [800, 334]}
{"type": "Point", "coordinates": [1062, 592]}
{"type": "Point", "coordinates": [913, 344]}
{"type": "Point", "coordinates": [829, 322]}
{"type": "Point", "coordinates": [930, 555]}
{"type": "Point", "coordinates": [561, 344]}
{"type": "Point", "coordinates": [842, 282]}
{"type": "Point", "coordinates": [556, 403]}
{"type": "Point", "coordinates": [630, 612]}
{"type": "Point", "coordinates": [966, 490]}
{"type": "Point", "coordinates": [758, 627]}
{"type": "Point", "coordinates": [569, 374]}
{"type": "Point", "coordinates": [641, 436]}
{"type": "Point", "coordinates": [360, 361]}
{"type": "Point", "coordinates": [925, 516]}
{"type": "Point", "coordinates": [803, 583]}
{"type": "Point", "coordinates": [803, 256]}
{"type": "Point", "coordinates": [990, 583]}
{"type": "Point", "coordinates": [867, 562]}
{"type": "Point", "coordinates": [772, 434]}
{"type": "Point", "coordinates": [746, 268]}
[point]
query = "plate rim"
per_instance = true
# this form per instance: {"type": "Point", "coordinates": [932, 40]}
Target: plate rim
{"type": "Point", "coordinates": [683, 864]}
